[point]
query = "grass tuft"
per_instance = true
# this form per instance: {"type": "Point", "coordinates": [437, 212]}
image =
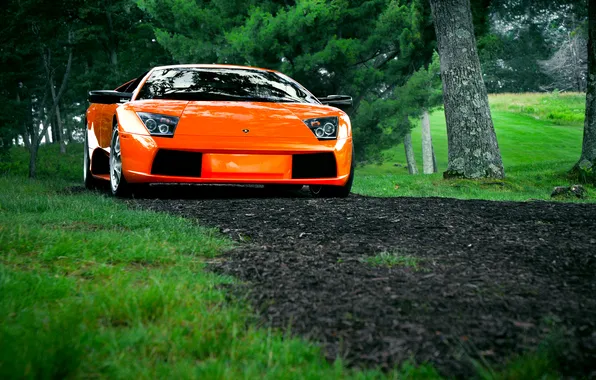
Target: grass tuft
{"type": "Point", "coordinates": [392, 259]}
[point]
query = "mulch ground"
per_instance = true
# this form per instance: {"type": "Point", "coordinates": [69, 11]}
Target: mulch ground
{"type": "Point", "coordinates": [493, 280]}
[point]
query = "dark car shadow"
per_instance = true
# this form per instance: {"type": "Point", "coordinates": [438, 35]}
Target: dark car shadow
{"type": "Point", "coordinates": [191, 191]}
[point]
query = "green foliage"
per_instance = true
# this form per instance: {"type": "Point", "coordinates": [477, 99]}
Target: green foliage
{"type": "Point", "coordinates": [110, 43]}
{"type": "Point", "coordinates": [382, 123]}
{"type": "Point", "coordinates": [522, 34]}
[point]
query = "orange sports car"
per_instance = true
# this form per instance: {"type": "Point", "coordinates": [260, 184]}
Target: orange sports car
{"type": "Point", "coordinates": [218, 124]}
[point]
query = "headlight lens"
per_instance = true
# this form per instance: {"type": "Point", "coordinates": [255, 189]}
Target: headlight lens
{"type": "Point", "coordinates": [325, 128]}
{"type": "Point", "coordinates": [159, 125]}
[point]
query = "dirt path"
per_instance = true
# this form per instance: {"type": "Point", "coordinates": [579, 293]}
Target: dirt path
{"type": "Point", "coordinates": [493, 279]}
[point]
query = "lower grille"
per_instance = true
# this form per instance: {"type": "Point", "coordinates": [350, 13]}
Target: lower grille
{"type": "Point", "coordinates": [314, 165]}
{"type": "Point", "coordinates": [177, 163]}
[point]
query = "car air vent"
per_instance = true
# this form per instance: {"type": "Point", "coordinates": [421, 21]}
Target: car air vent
{"type": "Point", "coordinates": [314, 165]}
{"type": "Point", "coordinates": [177, 163]}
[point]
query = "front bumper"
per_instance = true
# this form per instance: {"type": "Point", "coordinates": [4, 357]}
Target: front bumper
{"type": "Point", "coordinates": [199, 159]}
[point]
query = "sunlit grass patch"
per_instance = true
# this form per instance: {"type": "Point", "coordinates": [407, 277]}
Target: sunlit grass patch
{"type": "Point", "coordinates": [559, 108]}
{"type": "Point", "coordinates": [537, 154]}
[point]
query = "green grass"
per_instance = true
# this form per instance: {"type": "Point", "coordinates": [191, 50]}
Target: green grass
{"type": "Point", "coordinates": [537, 154]}
{"type": "Point", "coordinates": [91, 288]}
{"type": "Point", "coordinates": [392, 259]}
{"type": "Point", "coordinates": [50, 163]}
{"type": "Point", "coordinates": [558, 108]}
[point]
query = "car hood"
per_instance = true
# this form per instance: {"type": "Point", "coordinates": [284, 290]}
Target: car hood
{"type": "Point", "coordinates": [254, 119]}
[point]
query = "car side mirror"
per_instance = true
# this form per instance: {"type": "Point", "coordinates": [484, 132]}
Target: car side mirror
{"type": "Point", "coordinates": [340, 101]}
{"type": "Point", "coordinates": [109, 97]}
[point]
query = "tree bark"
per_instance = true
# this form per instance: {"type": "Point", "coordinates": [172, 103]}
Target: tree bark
{"type": "Point", "coordinates": [428, 159]}
{"type": "Point", "coordinates": [472, 142]}
{"type": "Point", "coordinates": [33, 162]}
{"type": "Point", "coordinates": [112, 43]}
{"type": "Point", "coordinates": [588, 156]}
{"type": "Point", "coordinates": [54, 132]}
{"type": "Point", "coordinates": [33, 148]}
{"type": "Point", "coordinates": [410, 159]}
{"type": "Point", "coordinates": [48, 140]}
{"type": "Point", "coordinates": [58, 126]}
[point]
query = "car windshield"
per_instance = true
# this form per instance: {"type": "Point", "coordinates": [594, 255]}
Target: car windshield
{"type": "Point", "coordinates": [229, 84]}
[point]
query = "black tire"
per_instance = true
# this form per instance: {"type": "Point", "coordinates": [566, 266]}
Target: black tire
{"type": "Point", "coordinates": [329, 191]}
{"type": "Point", "coordinates": [88, 179]}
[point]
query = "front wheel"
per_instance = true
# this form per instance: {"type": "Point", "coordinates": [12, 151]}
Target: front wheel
{"type": "Point", "coordinates": [118, 184]}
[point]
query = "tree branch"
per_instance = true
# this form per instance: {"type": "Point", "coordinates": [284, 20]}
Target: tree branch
{"type": "Point", "coordinates": [56, 100]}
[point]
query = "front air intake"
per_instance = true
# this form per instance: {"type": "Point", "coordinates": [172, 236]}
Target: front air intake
{"type": "Point", "coordinates": [177, 163]}
{"type": "Point", "coordinates": [314, 165]}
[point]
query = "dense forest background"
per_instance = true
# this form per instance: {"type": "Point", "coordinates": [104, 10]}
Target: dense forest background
{"type": "Point", "coordinates": [381, 52]}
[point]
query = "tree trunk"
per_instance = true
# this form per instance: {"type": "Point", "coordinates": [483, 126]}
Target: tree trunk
{"type": "Point", "coordinates": [69, 132]}
{"type": "Point", "coordinates": [47, 134]}
{"type": "Point", "coordinates": [54, 132]}
{"type": "Point", "coordinates": [112, 42]}
{"type": "Point", "coordinates": [60, 131]}
{"type": "Point", "coordinates": [472, 142]}
{"type": "Point", "coordinates": [33, 161]}
{"type": "Point", "coordinates": [33, 148]}
{"type": "Point", "coordinates": [411, 160]}
{"type": "Point", "coordinates": [428, 160]}
{"type": "Point", "coordinates": [58, 126]}
{"type": "Point", "coordinates": [588, 158]}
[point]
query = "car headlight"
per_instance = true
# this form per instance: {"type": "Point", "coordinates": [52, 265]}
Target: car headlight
{"type": "Point", "coordinates": [325, 128]}
{"type": "Point", "coordinates": [159, 125]}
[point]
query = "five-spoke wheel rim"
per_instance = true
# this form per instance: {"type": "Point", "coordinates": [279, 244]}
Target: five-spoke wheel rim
{"type": "Point", "coordinates": [115, 163]}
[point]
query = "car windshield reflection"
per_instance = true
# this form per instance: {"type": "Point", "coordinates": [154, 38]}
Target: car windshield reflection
{"type": "Point", "coordinates": [223, 84]}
